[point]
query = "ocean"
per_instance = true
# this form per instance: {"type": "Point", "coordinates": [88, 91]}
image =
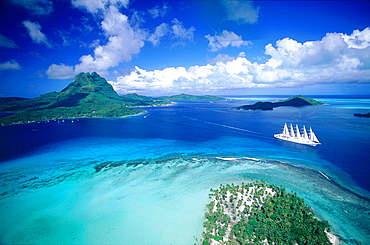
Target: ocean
{"type": "Point", "coordinates": [145, 179]}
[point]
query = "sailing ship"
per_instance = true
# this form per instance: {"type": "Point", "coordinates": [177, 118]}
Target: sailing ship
{"type": "Point", "coordinates": [297, 136]}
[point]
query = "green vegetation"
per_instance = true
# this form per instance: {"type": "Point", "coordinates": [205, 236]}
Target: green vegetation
{"type": "Point", "coordinates": [139, 100]}
{"type": "Point", "coordinates": [7, 101]}
{"type": "Point", "coordinates": [257, 213]}
{"type": "Point", "coordinates": [296, 101]}
{"type": "Point", "coordinates": [89, 95]}
{"type": "Point", "coordinates": [308, 100]}
{"type": "Point", "coordinates": [190, 97]}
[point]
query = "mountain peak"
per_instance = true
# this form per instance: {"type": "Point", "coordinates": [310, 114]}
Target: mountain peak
{"type": "Point", "coordinates": [301, 100]}
{"type": "Point", "coordinates": [89, 83]}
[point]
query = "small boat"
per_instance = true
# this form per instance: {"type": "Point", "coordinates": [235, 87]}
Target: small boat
{"type": "Point", "coordinates": [297, 136]}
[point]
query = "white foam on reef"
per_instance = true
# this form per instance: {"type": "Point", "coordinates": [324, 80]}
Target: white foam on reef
{"type": "Point", "coordinates": [324, 175]}
{"type": "Point", "coordinates": [56, 195]}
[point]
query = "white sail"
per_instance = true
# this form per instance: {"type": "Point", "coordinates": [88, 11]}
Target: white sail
{"type": "Point", "coordinates": [292, 131]}
{"type": "Point", "coordinates": [297, 131]}
{"type": "Point", "coordinates": [286, 130]}
{"type": "Point", "coordinates": [305, 133]}
{"type": "Point", "coordinates": [294, 135]}
{"type": "Point", "coordinates": [313, 136]}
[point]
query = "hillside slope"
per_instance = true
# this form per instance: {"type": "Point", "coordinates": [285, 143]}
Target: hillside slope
{"type": "Point", "coordinates": [89, 95]}
{"type": "Point", "coordinates": [296, 101]}
{"type": "Point", "coordinates": [183, 97]}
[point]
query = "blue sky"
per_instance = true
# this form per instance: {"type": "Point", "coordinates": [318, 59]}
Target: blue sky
{"type": "Point", "coordinates": [220, 47]}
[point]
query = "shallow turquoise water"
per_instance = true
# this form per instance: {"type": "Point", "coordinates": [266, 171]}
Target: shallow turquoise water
{"type": "Point", "coordinates": [155, 184]}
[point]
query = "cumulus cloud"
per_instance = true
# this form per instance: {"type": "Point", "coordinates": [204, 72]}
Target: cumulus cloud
{"type": "Point", "coordinates": [336, 58]}
{"type": "Point", "coordinates": [225, 39]}
{"type": "Point", "coordinates": [37, 7]}
{"type": "Point", "coordinates": [332, 50]}
{"type": "Point", "coordinates": [123, 43]}
{"type": "Point", "coordinates": [241, 11]}
{"type": "Point", "coordinates": [61, 71]}
{"type": "Point", "coordinates": [34, 30]}
{"type": "Point", "coordinates": [125, 37]}
{"type": "Point", "coordinates": [9, 65]}
{"type": "Point", "coordinates": [6, 42]}
{"type": "Point", "coordinates": [224, 58]}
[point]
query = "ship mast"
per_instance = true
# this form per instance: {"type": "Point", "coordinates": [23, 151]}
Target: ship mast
{"type": "Point", "coordinates": [305, 133]}
{"type": "Point", "coordinates": [286, 130]}
{"type": "Point", "coordinates": [297, 129]}
{"type": "Point", "coordinates": [292, 131]}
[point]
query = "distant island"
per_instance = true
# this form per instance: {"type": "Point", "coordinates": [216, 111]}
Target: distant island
{"type": "Point", "coordinates": [183, 97]}
{"type": "Point", "coordinates": [367, 115]}
{"type": "Point", "coordinates": [260, 213]}
{"type": "Point", "coordinates": [296, 101]}
{"type": "Point", "coordinates": [89, 95]}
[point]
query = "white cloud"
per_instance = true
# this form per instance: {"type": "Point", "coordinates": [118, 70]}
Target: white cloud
{"type": "Point", "coordinates": [241, 11]}
{"type": "Point", "coordinates": [9, 65]}
{"type": "Point", "coordinates": [95, 43]}
{"type": "Point", "coordinates": [94, 6]}
{"type": "Point", "coordinates": [358, 39]}
{"type": "Point", "coordinates": [180, 79]}
{"type": "Point", "coordinates": [60, 72]}
{"type": "Point", "coordinates": [227, 38]}
{"type": "Point", "coordinates": [328, 52]}
{"type": "Point", "coordinates": [224, 58]}
{"type": "Point", "coordinates": [125, 37]}
{"type": "Point", "coordinates": [37, 7]}
{"type": "Point", "coordinates": [336, 58]}
{"type": "Point", "coordinates": [160, 31]}
{"type": "Point", "coordinates": [123, 43]}
{"type": "Point", "coordinates": [34, 30]}
{"type": "Point", "coordinates": [177, 31]}
{"type": "Point", "coordinates": [181, 32]}
{"type": "Point", "coordinates": [157, 11]}
{"type": "Point", "coordinates": [6, 42]}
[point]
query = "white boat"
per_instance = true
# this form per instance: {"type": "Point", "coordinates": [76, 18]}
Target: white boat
{"type": "Point", "coordinates": [297, 136]}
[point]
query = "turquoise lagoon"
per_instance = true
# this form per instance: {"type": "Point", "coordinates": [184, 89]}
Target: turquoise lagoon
{"type": "Point", "coordinates": [146, 179]}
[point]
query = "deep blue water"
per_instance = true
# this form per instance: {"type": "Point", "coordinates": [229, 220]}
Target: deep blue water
{"type": "Point", "coordinates": [50, 191]}
{"type": "Point", "coordinates": [345, 138]}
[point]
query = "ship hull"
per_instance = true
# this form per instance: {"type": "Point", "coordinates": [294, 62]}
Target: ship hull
{"type": "Point", "coordinates": [298, 140]}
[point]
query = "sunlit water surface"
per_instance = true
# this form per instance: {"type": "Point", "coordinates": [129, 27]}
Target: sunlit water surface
{"type": "Point", "coordinates": [146, 179]}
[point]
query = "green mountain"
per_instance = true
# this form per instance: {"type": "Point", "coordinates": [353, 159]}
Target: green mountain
{"type": "Point", "coordinates": [8, 101]}
{"type": "Point", "coordinates": [89, 95]}
{"type": "Point", "coordinates": [140, 100]}
{"type": "Point", "coordinates": [296, 101]}
{"type": "Point", "coordinates": [190, 97]}
{"type": "Point", "coordinates": [301, 98]}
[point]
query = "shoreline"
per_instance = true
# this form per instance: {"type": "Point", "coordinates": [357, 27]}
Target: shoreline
{"type": "Point", "coordinates": [231, 204]}
{"type": "Point", "coordinates": [332, 238]}
{"type": "Point", "coordinates": [148, 106]}
{"type": "Point", "coordinates": [71, 118]}
{"type": "Point", "coordinates": [297, 166]}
